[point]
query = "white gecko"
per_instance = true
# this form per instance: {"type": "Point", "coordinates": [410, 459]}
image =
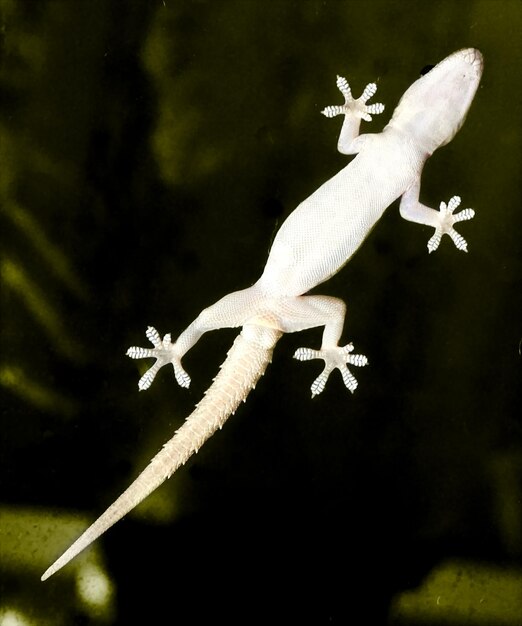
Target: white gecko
{"type": "Point", "coordinates": [312, 245]}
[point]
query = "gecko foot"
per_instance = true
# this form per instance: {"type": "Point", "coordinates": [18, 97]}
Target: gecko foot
{"type": "Point", "coordinates": [164, 352]}
{"type": "Point", "coordinates": [351, 106]}
{"type": "Point", "coordinates": [335, 358]}
{"type": "Point", "coordinates": [446, 221]}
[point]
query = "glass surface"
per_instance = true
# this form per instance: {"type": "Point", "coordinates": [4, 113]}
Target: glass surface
{"type": "Point", "coordinates": [148, 153]}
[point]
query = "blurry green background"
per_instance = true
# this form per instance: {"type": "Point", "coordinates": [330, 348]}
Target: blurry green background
{"type": "Point", "coordinates": [148, 153]}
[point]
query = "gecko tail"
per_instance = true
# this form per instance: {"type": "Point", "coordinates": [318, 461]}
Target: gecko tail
{"type": "Point", "coordinates": [246, 362]}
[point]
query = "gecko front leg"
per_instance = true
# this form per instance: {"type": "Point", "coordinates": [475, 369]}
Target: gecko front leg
{"type": "Point", "coordinates": [354, 110]}
{"type": "Point", "coordinates": [442, 220]}
{"type": "Point", "coordinates": [445, 226]}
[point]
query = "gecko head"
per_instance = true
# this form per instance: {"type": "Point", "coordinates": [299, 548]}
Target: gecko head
{"type": "Point", "coordinates": [434, 108]}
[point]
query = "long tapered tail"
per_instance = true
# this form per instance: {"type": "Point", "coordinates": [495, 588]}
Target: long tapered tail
{"type": "Point", "coordinates": [246, 362]}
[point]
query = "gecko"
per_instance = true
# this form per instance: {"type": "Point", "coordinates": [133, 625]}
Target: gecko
{"type": "Point", "coordinates": [314, 243]}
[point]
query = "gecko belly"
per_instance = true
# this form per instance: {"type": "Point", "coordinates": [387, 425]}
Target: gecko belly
{"type": "Point", "coordinates": [339, 216]}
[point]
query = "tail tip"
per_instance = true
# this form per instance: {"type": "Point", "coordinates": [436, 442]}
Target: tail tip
{"type": "Point", "coordinates": [47, 574]}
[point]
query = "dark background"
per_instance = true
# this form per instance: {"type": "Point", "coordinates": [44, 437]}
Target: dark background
{"type": "Point", "coordinates": [148, 153]}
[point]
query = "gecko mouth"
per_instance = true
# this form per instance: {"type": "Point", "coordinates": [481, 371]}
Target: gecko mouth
{"type": "Point", "coordinates": [475, 59]}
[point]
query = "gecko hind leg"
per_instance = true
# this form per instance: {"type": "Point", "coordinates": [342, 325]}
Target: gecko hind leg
{"type": "Point", "coordinates": [231, 311]}
{"type": "Point", "coordinates": [336, 357]}
{"type": "Point", "coordinates": [164, 352]}
{"type": "Point", "coordinates": [304, 312]}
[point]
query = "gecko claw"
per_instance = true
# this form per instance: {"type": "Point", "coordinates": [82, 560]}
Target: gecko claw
{"type": "Point", "coordinates": [336, 357]}
{"type": "Point", "coordinates": [164, 352]}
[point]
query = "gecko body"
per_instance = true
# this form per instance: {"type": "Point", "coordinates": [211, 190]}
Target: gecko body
{"type": "Point", "coordinates": [315, 241]}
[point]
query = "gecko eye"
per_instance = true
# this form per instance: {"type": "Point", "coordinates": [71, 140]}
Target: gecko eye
{"type": "Point", "coordinates": [426, 69]}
